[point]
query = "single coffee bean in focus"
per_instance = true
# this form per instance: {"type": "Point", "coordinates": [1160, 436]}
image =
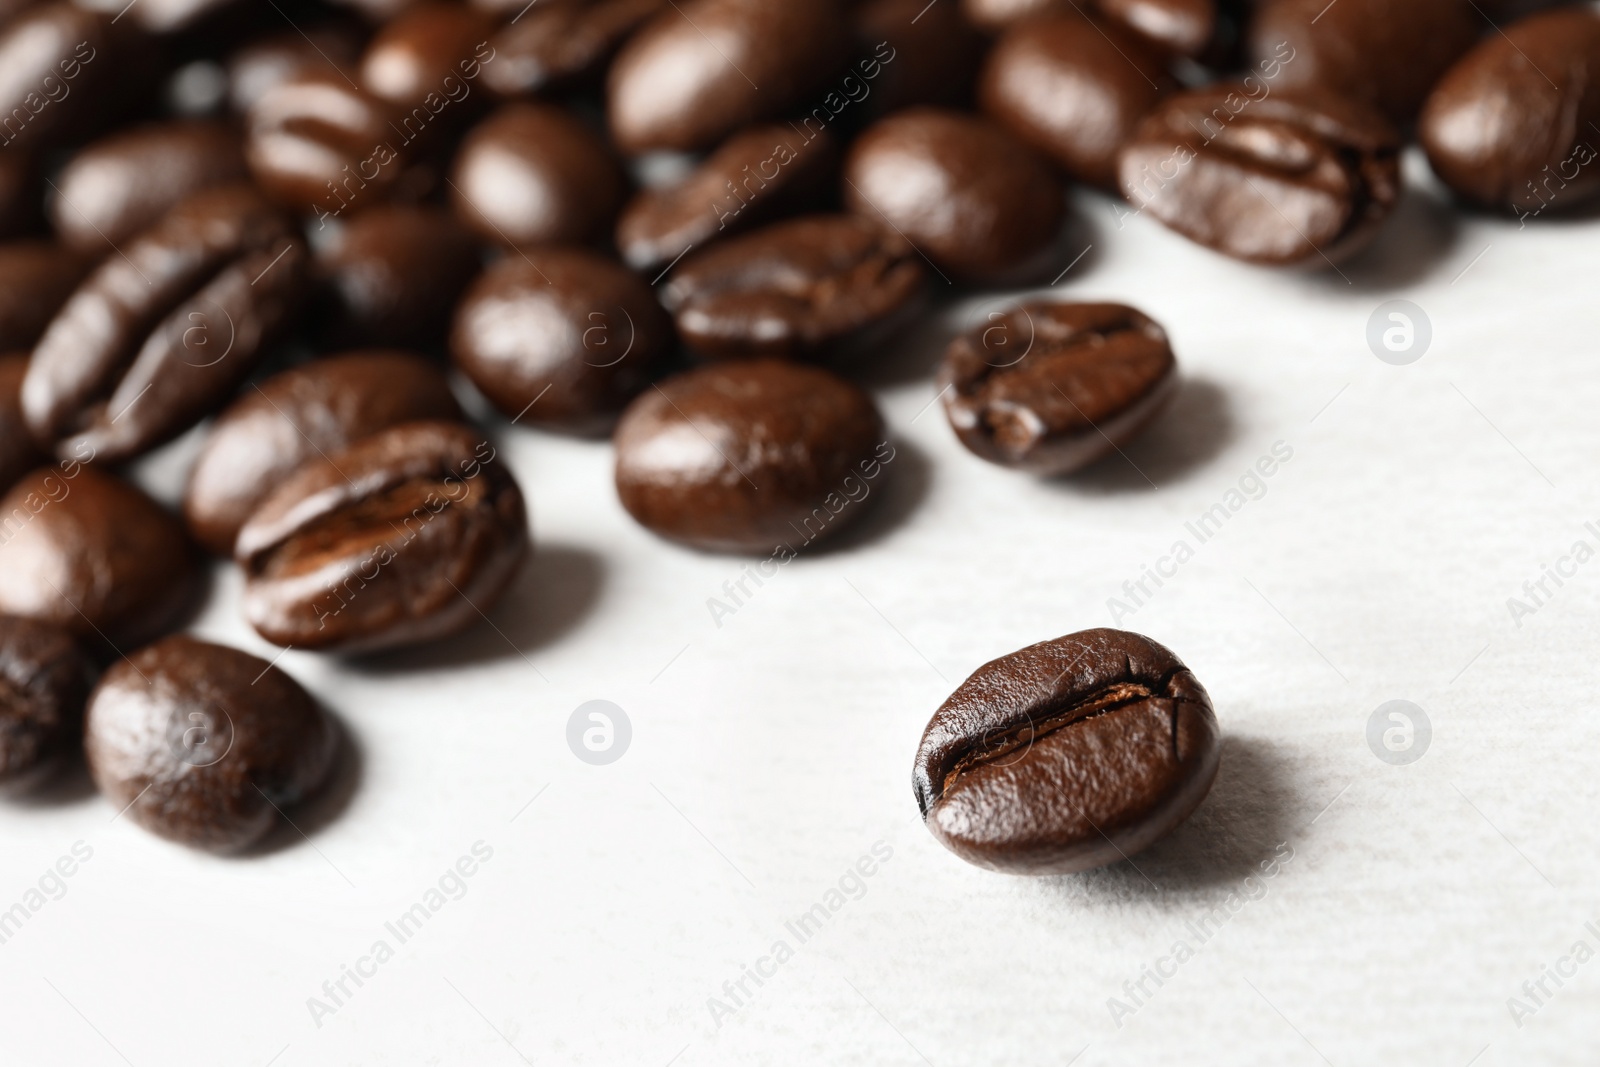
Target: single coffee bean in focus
{"type": "Point", "coordinates": [206, 745]}
{"type": "Point", "coordinates": [403, 537]}
{"type": "Point", "coordinates": [754, 456]}
{"type": "Point", "coordinates": [1051, 387]}
{"type": "Point", "coordinates": [1070, 754]}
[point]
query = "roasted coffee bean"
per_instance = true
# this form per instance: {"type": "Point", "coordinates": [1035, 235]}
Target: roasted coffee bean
{"type": "Point", "coordinates": [159, 336]}
{"type": "Point", "coordinates": [304, 412]}
{"type": "Point", "coordinates": [558, 43]}
{"type": "Point", "coordinates": [379, 11]}
{"type": "Point", "coordinates": [89, 552]}
{"type": "Point", "coordinates": [422, 57]}
{"type": "Point", "coordinates": [1181, 27]}
{"type": "Point", "coordinates": [316, 143]}
{"type": "Point", "coordinates": [818, 287]}
{"type": "Point", "coordinates": [206, 745]}
{"type": "Point", "coordinates": [19, 193]}
{"type": "Point", "coordinates": [119, 186]}
{"type": "Point", "coordinates": [704, 69]}
{"type": "Point", "coordinates": [36, 278]}
{"type": "Point", "coordinates": [562, 339]}
{"type": "Point", "coordinates": [63, 71]}
{"type": "Point", "coordinates": [1281, 180]}
{"type": "Point", "coordinates": [968, 195]}
{"type": "Point", "coordinates": [1379, 52]}
{"type": "Point", "coordinates": [995, 16]}
{"type": "Point", "coordinates": [1067, 755]}
{"type": "Point", "coordinates": [268, 62]}
{"type": "Point", "coordinates": [1514, 124]}
{"type": "Point", "coordinates": [913, 53]}
{"type": "Point", "coordinates": [392, 276]}
{"type": "Point", "coordinates": [532, 174]}
{"type": "Point", "coordinates": [1050, 388]}
{"type": "Point", "coordinates": [403, 537]}
{"type": "Point", "coordinates": [1073, 89]}
{"type": "Point", "coordinates": [757, 175]}
{"type": "Point", "coordinates": [757, 456]}
{"type": "Point", "coordinates": [166, 16]}
{"type": "Point", "coordinates": [19, 452]}
{"type": "Point", "coordinates": [10, 9]}
{"type": "Point", "coordinates": [44, 681]}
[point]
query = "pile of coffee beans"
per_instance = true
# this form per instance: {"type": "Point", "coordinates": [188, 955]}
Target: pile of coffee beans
{"type": "Point", "coordinates": [680, 224]}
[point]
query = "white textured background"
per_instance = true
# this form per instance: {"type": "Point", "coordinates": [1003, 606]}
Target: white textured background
{"type": "Point", "coordinates": [770, 754]}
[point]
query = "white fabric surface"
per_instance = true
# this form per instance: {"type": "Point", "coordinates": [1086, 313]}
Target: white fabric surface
{"type": "Point", "coordinates": [769, 754]}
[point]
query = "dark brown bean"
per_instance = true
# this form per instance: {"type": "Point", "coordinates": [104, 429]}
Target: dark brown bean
{"type": "Point", "coordinates": [1379, 52]}
{"type": "Point", "coordinates": [1051, 387]}
{"type": "Point", "coordinates": [532, 174]}
{"type": "Point", "coordinates": [421, 57]}
{"type": "Point", "coordinates": [36, 278]}
{"type": "Point", "coordinates": [1180, 27]}
{"type": "Point", "coordinates": [558, 43]}
{"type": "Point", "coordinates": [756, 175]}
{"type": "Point", "coordinates": [1067, 755]}
{"type": "Point", "coordinates": [393, 275]}
{"type": "Point", "coordinates": [1285, 180]}
{"type": "Point", "coordinates": [169, 16]}
{"type": "Point", "coordinates": [20, 195]}
{"type": "Point", "coordinates": [123, 184]}
{"type": "Point", "coordinates": [318, 144]}
{"type": "Point", "coordinates": [1514, 124]}
{"type": "Point", "coordinates": [819, 287]}
{"type": "Point", "coordinates": [44, 681]}
{"type": "Point", "coordinates": [1073, 89]}
{"type": "Point", "coordinates": [964, 192]}
{"type": "Point", "coordinates": [562, 339]}
{"type": "Point", "coordinates": [160, 336]}
{"type": "Point", "coordinates": [755, 456]}
{"type": "Point", "coordinates": [913, 53]}
{"type": "Point", "coordinates": [206, 745]}
{"type": "Point", "coordinates": [996, 16]}
{"type": "Point", "coordinates": [90, 553]}
{"type": "Point", "coordinates": [704, 69]}
{"type": "Point", "coordinates": [268, 62]}
{"type": "Point", "coordinates": [19, 452]}
{"type": "Point", "coordinates": [379, 11]}
{"type": "Point", "coordinates": [63, 71]}
{"type": "Point", "coordinates": [403, 537]}
{"type": "Point", "coordinates": [304, 412]}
